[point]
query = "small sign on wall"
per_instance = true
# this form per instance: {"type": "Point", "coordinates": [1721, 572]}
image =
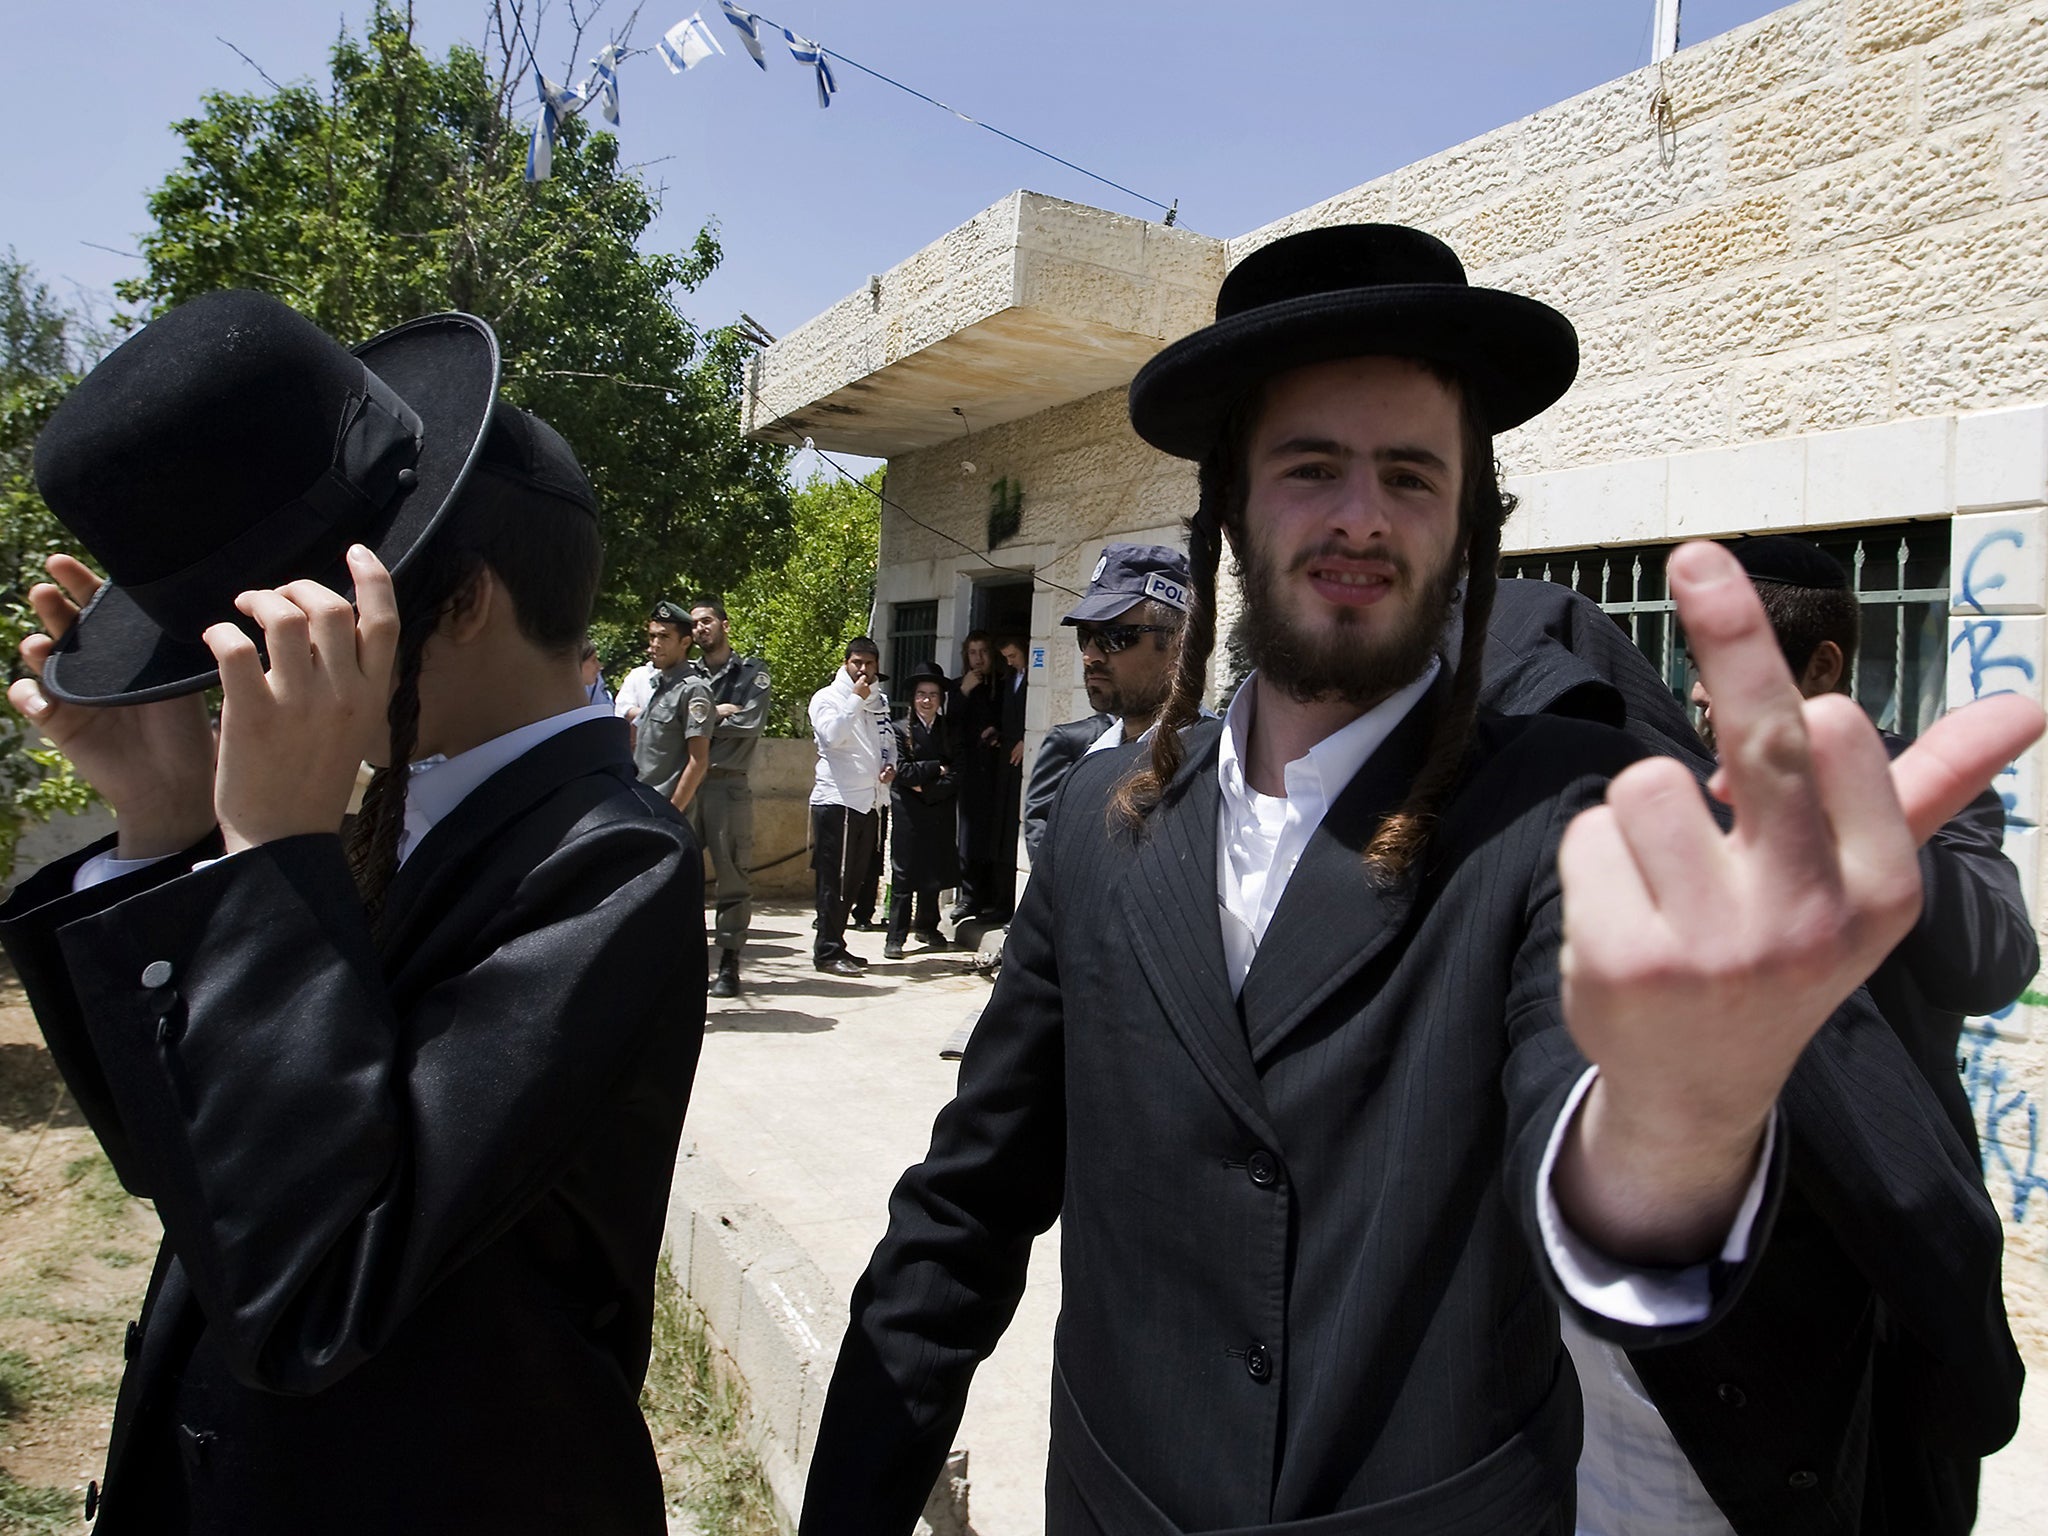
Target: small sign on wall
{"type": "Point", "coordinates": [1038, 658]}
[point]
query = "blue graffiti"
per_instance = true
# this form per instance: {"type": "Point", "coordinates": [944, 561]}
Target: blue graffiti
{"type": "Point", "coordinates": [2008, 1119]}
{"type": "Point", "coordinates": [1971, 594]}
{"type": "Point", "coordinates": [1981, 636]}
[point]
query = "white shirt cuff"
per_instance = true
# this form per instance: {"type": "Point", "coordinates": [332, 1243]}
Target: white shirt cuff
{"type": "Point", "coordinates": [104, 866]}
{"type": "Point", "coordinates": [1664, 1298]}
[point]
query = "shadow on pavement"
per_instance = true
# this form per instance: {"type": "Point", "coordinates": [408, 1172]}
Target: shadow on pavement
{"type": "Point", "coordinates": [766, 1021]}
{"type": "Point", "coordinates": [813, 985]}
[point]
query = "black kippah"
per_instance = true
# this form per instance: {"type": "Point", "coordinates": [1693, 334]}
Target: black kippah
{"type": "Point", "coordinates": [1794, 562]}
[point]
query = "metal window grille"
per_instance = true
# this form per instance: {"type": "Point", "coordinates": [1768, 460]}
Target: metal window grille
{"type": "Point", "coordinates": [1900, 574]}
{"type": "Point", "coordinates": [913, 638]}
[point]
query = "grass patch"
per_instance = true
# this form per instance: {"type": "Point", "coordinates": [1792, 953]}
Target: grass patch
{"type": "Point", "coordinates": [99, 1203]}
{"type": "Point", "coordinates": [698, 1422]}
{"type": "Point", "coordinates": [37, 1511]}
{"type": "Point", "coordinates": [17, 1382]}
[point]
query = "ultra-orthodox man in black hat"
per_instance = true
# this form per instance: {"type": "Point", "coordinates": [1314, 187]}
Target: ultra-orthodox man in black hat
{"type": "Point", "coordinates": [406, 1091]}
{"type": "Point", "coordinates": [1353, 1036]}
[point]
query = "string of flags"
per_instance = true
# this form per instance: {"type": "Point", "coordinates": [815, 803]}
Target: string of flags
{"type": "Point", "coordinates": [689, 43]}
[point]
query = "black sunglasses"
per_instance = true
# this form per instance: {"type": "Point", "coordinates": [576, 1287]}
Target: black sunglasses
{"type": "Point", "coordinates": [1111, 638]}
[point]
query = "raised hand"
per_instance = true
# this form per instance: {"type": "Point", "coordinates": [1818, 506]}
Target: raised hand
{"type": "Point", "coordinates": [1697, 965]}
{"type": "Point", "coordinates": [153, 763]}
{"type": "Point", "coordinates": [292, 737]}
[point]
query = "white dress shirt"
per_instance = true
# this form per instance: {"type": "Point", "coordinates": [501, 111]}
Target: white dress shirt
{"type": "Point", "coordinates": [635, 690]}
{"type": "Point", "coordinates": [1260, 840]}
{"type": "Point", "coordinates": [434, 787]}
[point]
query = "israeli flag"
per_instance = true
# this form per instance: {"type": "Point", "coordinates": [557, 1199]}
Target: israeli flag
{"type": "Point", "coordinates": [749, 27]}
{"type": "Point", "coordinates": [603, 85]}
{"type": "Point", "coordinates": [556, 103]}
{"type": "Point", "coordinates": [804, 51]}
{"type": "Point", "coordinates": [687, 44]}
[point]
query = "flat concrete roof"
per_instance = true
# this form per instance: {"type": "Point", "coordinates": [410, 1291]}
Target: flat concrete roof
{"type": "Point", "coordinates": [1032, 303]}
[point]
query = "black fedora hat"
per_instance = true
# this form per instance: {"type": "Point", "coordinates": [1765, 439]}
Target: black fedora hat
{"type": "Point", "coordinates": [1353, 290]}
{"type": "Point", "coordinates": [233, 444]}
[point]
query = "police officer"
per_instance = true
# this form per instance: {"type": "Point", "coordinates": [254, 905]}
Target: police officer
{"type": "Point", "coordinates": [724, 813]}
{"type": "Point", "coordinates": [672, 745]}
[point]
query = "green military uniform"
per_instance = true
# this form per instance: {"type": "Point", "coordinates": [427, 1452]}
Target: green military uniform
{"type": "Point", "coordinates": [679, 711]}
{"type": "Point", "coordinates": [723, 812]}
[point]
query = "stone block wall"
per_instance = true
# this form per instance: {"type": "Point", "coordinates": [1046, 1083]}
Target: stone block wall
{"type": "Point", "coordinates": [1848, 230]}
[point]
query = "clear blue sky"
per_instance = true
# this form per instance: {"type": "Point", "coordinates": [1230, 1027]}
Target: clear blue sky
{"type": "Point", "coordinates": [1241, 112]}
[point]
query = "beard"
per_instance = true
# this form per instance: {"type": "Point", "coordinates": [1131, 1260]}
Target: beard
{"type": "Point", "coordinates": [1346, 664]}
{"type": "Point", "coordinates": [1109, 697]}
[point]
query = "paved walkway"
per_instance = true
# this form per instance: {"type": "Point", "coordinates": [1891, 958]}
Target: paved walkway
{"type": "Point", "coordinates": [814, 1094]}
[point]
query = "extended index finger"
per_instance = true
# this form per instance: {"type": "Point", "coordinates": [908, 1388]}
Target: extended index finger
{"type": "Point", "coordinates": [376, 613]}
{"type": "Point", "coordinates": [1759, 724]}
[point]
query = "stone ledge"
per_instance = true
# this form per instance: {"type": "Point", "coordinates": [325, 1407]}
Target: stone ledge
{"type": "Point", "coordinates": [775, 1322]}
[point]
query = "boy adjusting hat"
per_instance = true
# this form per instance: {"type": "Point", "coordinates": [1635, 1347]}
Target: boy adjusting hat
{"type": "Point", "coordinates": [232, 444]}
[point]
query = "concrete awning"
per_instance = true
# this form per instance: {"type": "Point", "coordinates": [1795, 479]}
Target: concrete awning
{"type": "Point", "coordinates": [1031, 304]}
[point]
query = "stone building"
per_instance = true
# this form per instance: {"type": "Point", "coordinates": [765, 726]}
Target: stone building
{"type": "Point", "coordinates": [1812, 296]}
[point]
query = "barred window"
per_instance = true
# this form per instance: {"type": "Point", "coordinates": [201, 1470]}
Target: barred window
{"type": "Point", "coordinates": [1900, 574]}
{"type": "Point", "coordinates": [913, 638]}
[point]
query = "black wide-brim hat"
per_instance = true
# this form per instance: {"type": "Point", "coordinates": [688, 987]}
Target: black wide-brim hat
{"type": "Point", "coordinates": [1353, 290]}
{"type": "Point", "coordinates": [232, 444]}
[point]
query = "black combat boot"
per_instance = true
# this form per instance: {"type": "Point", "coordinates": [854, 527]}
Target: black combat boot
{"type": "Point", "coordinates": [727, 982]}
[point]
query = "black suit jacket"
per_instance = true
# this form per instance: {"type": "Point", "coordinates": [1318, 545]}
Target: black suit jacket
{"type": "Point", "coordinates": [1824, 1407]}
{"type": "Point", "coordinates": [1820, 1406]}
{"type": "Point", "coordinates": [1301, 1271]}
{"type": "Point", "coordinates": [1063, 746]}
{"type": "Point", "coordinates": [412, 1194]}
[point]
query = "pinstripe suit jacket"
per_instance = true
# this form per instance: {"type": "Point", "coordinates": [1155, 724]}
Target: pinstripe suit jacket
{"type": "Point", "coordinates": [1302, 1280]}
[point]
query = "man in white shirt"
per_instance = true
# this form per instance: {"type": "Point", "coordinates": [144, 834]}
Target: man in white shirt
{"type": "Point", "coordinates": [1355, 1037]}
{"type": "Point", "coordinates": [856, 765]}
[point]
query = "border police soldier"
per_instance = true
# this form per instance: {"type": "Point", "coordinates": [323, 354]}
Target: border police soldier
{"type": "Point", "coordinates": [672, 741]}
{"type": "Point", "coordinates": [724, 812]}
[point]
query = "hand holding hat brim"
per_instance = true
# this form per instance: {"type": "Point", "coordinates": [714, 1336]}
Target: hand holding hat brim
{"type": "Point", "coordinates": [152, 764]}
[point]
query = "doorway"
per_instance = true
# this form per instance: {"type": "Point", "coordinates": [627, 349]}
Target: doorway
{"type": "Point", "coordinates": [1003, 608]}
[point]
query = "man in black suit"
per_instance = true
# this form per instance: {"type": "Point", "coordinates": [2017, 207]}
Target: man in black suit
{"type": "Point", "coordinates": [1283, 1018]}
{"type": "Point", "coordinates": [1128, 626]}
{"type": "Point", "coordinates": [407, 1097]}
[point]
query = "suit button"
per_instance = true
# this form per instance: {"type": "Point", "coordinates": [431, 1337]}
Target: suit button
{"type": "Point", "coordinates": [157, 973]}
{"type": "Point", "coordinates": [197, 1445]}
{"type": "Point", "coordinates": [1258, 1362]}
{"type": "Point", "coordinates": [1731, 1394]}
{"type": "Point", "coordinates": [1261, 1168]}
{"type": "Point", "coordinates": [92, 1499]}
{"type": "Point", "coordinates": [128, 1342]}
{"type": "Point", "coordinates": [1802, 1480]}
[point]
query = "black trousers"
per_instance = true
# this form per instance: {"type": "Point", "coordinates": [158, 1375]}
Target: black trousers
{"type": "Point", "coordinates": [867, 889]}
{"type": "Point", "coordinates": [842, 841]}
{"type": "Point", "coordinates": [902, 917]}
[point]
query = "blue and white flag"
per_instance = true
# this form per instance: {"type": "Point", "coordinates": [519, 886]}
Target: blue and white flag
{"type": "Point", "coordinates": [804, 51]}
{"type": "Point", "coordinates": [687, 44]}
{"type": "Point", "coordinates": [749, 27]}
{"type": "Point", "coordinates": [603, 84]}
{"type": "Point", "coordinates": [556, 104]}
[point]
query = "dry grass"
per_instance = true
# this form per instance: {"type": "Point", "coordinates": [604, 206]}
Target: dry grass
{"type": "Point", "coordinates": [698, 1417]}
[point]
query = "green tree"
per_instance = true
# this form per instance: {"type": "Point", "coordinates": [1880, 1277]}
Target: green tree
{"type": "Point", "coordinates": [799, 615]}
{"type": "Point", "coordinates": [397, 188]}
{"type": "Point", "coordinates": [39, 339]}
